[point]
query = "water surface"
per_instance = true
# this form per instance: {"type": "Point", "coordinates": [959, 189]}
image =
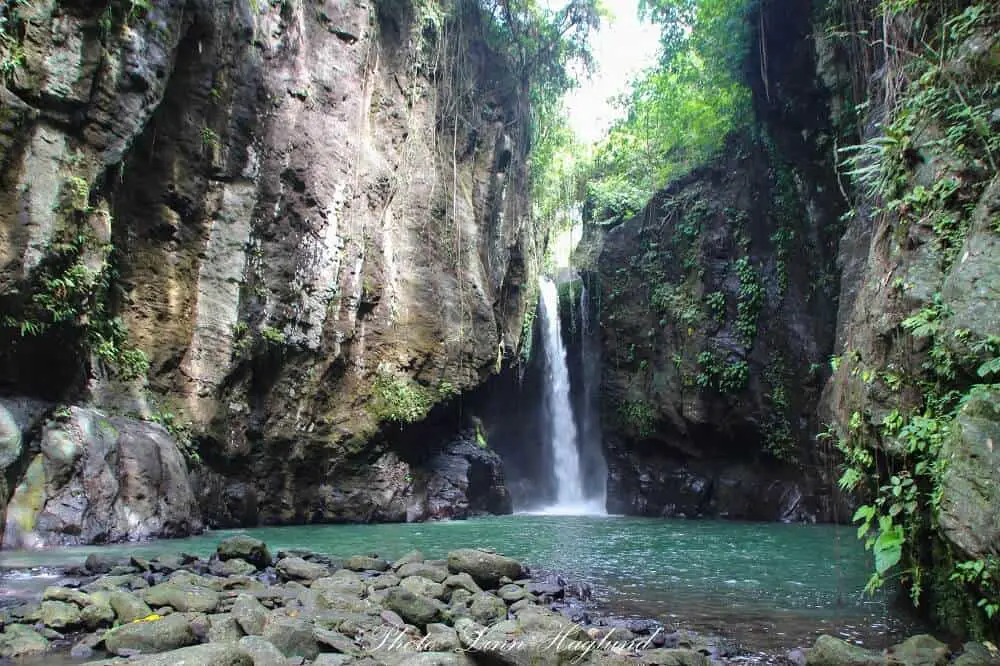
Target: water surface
{"type": "Point", "coordinates": [765, 586]}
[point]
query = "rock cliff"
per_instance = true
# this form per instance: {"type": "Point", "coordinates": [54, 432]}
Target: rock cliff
{"type": "Point", "coordinates": [283, 230]}
{"type": "Point", "coordinates": [718, 305]}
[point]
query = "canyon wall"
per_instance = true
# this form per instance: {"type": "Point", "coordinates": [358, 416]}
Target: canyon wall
{"type": "Point", "coordinates": [310, 218]}
{"type": "Point", "coordinates": [718, 307]}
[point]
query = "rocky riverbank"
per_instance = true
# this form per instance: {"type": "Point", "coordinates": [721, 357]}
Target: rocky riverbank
{"type": "Point", "coordinates": [243, 606]}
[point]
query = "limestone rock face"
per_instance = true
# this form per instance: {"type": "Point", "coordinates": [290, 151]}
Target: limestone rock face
{"type": "Point", "coordinates": [100, 479]}
{"type": "Point", "coordinates": [316, 238]}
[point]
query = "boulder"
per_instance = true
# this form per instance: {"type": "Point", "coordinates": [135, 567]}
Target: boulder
{"type": "Point", "coordinates": [512, 593]}
{"type": "Point", "coordinates": [234, 567]}
{"type": "Point", "coordinates": [223, 628]}
{"type": "Point", "coordinates": [102, 479]}
{"type": "Point", "coordinates": [250, 614]}
{"type": "Point", "coordinates": [97, 615]}
{"type": "Point", "coordinates": [216, 654]}
{"type": "Point", "coordinates": [295, 568]}
{"type": "Point", "coordinates": [415, 609]}
{"type": "Point", "coordinates": [462, 581]}
{"type": "Point", "coordinates": [486, 609]}
{"type": "Point", "coordinates": [423, 587]}
{"type": "Point", "coordinates": [919, 650]}
{"type": "Point", "coordinates": [262, 652]}
{"type": "Point", "coordinates": [365, 563]}
{"type": "Point", "coordinates": [66, 594]}
{"type": "Point", "coordinates": [128, 607]}
{"type": "Point", "coordinates": [674, 657]}
{"type": "Point", "coordinates": [155, 635]}
{"type": "Point", "coordinates": [291, 636]}
{"type": "Point", "coordinates": [246, 548]}
{"type": "Point", "coordinates": [184, 597]}
{"type": "Point", "coordinates": [60, 615]}
{"type": "Point", "coordinates": [18, 640]}
{"type": "Point", "coordinates": [486, 568]}
{"type": "Point", "coordinates": [429, 571]}
{"type": "Point", "coordinates": [830, 651]}
{"type": "Point", "coordinates": [463, 480]}
{"type": "Point", "coordinates": [342, 581]}
{"type": "Point", "coordinates": [409, 558]}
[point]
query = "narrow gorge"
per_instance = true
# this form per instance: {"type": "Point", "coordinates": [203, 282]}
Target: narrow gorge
{"type": "Point", "coordinates": [293, 262]}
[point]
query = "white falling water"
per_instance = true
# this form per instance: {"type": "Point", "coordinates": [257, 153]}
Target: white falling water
{"type": "Point", "coordinates": [563, 439]}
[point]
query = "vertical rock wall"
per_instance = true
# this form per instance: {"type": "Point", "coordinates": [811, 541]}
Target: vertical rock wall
{"type": "Point", "coordinates": [310, 217]}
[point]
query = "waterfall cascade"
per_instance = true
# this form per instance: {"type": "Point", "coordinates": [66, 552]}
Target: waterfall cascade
{"type": "Point", "coordinates": [562, 431]}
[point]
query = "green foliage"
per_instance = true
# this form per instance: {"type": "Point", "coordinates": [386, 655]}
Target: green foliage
{"type": "Point", "coordinates": [727, 376]}
{"type": "Point", "coordinates": [272, 336]}
{"type": "Point", "coordinates": [546, 46]}
{"type": "Point", "coordinates": [716, 304]}
{"type": "Point", "coordinates": [751, 300]}
{"type": "Point", "coordinates": [400, 399]}
{"type": "Point", "coordinates": [678, 302]}
{"type": "Point", "coordinates": [905, 496]}
{"type": "Point", "coordinates": [182, 431]}
{"type": "Point", "coordinates": [11, 49]}
{"type": "Point", "coordinates": [637, 417]}
{"type": "Point", "coordinates": [676, 114]}
{"type": "Point", "coordinates": [66, 295]}
{"type": "Point", "coordinates": [210, 138]}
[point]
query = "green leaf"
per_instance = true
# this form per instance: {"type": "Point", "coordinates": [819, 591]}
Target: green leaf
{"type": "Point", "coordinates": [865, 512]}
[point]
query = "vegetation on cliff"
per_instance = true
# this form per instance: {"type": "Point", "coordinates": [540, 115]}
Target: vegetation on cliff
{"type": "Point", "coordinates": [914, 387]}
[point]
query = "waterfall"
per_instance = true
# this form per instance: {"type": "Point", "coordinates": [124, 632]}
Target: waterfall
{"type": "Point", "coordinates": [562, 432]}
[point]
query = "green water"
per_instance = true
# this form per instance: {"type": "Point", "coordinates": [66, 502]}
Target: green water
{"type": "Point", "coordinates": [763, 585]}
